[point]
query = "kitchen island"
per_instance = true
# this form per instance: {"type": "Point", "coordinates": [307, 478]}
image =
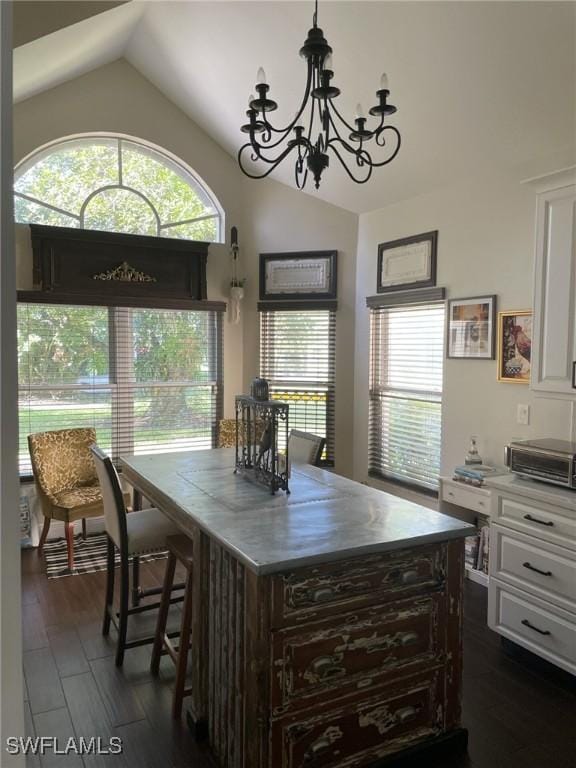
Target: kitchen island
{"type": "Point", "coordinates": [327, 622]}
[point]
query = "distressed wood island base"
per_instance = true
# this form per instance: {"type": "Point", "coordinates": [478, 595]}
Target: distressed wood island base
{"type": "Point", "coordinates": [334, 659]}
{"type": "Point", "coordinates": [337, 665]}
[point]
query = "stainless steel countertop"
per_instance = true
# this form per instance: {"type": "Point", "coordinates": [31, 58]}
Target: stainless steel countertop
{"type": "Point", "coordinates": [325, 518]}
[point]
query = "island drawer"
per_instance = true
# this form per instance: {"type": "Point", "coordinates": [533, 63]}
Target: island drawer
{"type": "Point", "coordinates": [363, 731]}
{"type": "Point", "coordinates": [553, 524]}
{"type": "Point", "coordinates": [308, 594]}
{"type": "Point", "coordinates": [359, 651]}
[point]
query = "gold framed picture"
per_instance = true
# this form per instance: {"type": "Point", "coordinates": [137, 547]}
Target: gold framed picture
{"type": "Point", "coordinates": [514, 346]}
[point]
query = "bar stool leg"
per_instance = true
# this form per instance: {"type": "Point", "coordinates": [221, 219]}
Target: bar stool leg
{"type": "Point", "coordinates": [135, 581]}
{"type": "Point", "coordinates": [123, 618]}
{"type": "Point", "coordinates": [184, 647]}
{"type": "Point", "coordinates": [109, 600]}
{"type": "Point", "coordinates": [163, 614]}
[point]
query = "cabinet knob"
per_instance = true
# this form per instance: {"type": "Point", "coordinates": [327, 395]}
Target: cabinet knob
{"type": "Point", "coordinates": [409, 638]}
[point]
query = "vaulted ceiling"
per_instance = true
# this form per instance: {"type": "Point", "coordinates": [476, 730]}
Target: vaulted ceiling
{"type": "Point", "coordinates": [479, 86]}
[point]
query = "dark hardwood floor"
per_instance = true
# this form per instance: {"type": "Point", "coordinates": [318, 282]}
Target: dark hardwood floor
{"type": "Point", "coordinates": [518, 715]}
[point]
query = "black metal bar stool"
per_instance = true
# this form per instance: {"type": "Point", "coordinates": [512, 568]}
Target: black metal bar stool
{"type": "Point", "coordinates": [180, 550]}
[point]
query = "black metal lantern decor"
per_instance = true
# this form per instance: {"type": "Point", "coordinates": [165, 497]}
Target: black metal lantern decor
{"type": "Point", "coordinates": [259, 389]}
{"type": "Point", "coordinates": [260, 426]}
{"type": "Point", "coordinates": [318, 130]}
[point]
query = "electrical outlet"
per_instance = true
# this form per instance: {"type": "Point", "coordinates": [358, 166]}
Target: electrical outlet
{"type": "Point", "coordinates": [523, 413]}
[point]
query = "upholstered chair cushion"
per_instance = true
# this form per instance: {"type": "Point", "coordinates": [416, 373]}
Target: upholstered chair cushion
{"type": "Point", "coordinates": [147, 531]}
{"type": "Point", "coordinates": [227, 433]}
{"type": "Point", "coordinates": [61, 460]}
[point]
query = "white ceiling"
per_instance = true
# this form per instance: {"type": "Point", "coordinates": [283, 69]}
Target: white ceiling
{"type": "Point", "coordinates": [478, 85]}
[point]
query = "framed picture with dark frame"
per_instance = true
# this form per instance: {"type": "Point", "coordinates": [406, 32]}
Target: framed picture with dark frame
{"type": "Point", "coordinates": [407, 263]}
{"type": "Point", "coordinates": [471, 328]}
{"type": "Point", "coordinates": [298, 276]}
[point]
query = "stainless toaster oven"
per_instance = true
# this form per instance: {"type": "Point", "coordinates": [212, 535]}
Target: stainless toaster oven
{"type": "Point", "coordinates": [549, 460]}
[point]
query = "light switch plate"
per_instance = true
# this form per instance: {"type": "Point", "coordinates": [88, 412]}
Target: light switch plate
{"type": "Point", "coordinates": [523, 413]}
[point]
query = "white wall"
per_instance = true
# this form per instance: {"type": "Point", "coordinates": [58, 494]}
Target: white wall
{"type": "Point", "coordinates": [485, 246]}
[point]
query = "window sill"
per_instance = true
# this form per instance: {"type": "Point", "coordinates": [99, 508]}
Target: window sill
{"type": "Point", "coordinates": [404, 492]}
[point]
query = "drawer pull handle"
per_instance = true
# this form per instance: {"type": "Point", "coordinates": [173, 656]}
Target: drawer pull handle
{"type": "Point", "coordinates": [409, 577]}
{"type": "Point", "coordinates": [324, 666]}
{"type": "Point", "coordinates": [480, 503]}
{"type": "Point", "coordinates": [404, 714]}
{"type": "Point", "coordinates": [549, 523]}
{"type": "Point", "coordinates": [537, 570]}
{"type": "Point", "coordinates": [526, 623]}
{"type": "Point", "coordinates": [409, 638]}
{"type": "Point", "coordinates": [323, 594]}
{"type": "Point", "coordinates": [317, 748]}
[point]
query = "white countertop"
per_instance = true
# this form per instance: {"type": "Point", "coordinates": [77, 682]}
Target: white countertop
{"type": "Point", "coordinates": [325, 518]}
{"type": "Point", "coordinates": [535, 490]}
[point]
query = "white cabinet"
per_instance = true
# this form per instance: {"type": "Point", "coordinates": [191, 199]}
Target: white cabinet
{"type": "Point", "coordinates": [532, 586]}
{"type": "Point", "coordinates": [554, 333]}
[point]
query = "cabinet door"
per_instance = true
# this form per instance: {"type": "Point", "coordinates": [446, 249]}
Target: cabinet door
{"type": "Point", "coordinates": [554, 347]}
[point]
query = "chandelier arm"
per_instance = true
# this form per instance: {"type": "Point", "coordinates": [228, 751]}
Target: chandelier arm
{"type": "Point", "coordinates": [343, 164]}
{"type": "Point", "coordinates": [273, 163]}
{"type": "Point", "coordinates": [396, 150]}
{"type": "Point", "coordinates": [348, 147]}
{"type": "Point", "coordinates": [285, 131]}
{"type": "Point", "coordinates": [372, 133]}
{"type": "Point", "coordinates": [339, 116]}
{"type": "Point", "coordinates": [303, 174]}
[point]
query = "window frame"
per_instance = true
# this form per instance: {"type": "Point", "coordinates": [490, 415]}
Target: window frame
{"type": "Point", "coordinates": [377, 386]}
{"type": "Point", "coordinates": [303, 386]}
{"type": "Point", "coordinates": [119, 344]}
{"type": "Point", "coordinates": [169, 158]}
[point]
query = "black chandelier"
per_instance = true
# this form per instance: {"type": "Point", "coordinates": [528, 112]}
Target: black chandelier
{"type": "Point", "coordinates": [313, 144]}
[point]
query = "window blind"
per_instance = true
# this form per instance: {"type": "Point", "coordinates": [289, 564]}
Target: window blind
{"type": "Point", "coordinates": [406, 367]}
{"type": "Point", "coordinates": [148, 380]}
{"type": "Point", "coordinates": [297, 357]}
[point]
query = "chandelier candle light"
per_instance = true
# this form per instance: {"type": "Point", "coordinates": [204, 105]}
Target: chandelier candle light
{"type": "Point", "coordinates": [326, 132]}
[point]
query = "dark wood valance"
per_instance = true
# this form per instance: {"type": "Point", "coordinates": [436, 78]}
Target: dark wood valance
{"type": "Point", "coordinates": [398, 298]}
{"type": "Point", "coordinates": [103, 300]}
{"type": "Point", "coordinates": [294, 306]}
{"type": "Point", "coordinates": [87, 266]}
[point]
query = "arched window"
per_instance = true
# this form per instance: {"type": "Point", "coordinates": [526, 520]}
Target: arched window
{"type": "Point", "coordinates": [115, 184]}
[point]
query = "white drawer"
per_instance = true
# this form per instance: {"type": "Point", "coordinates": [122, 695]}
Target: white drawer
{"type": "Point", "coordinates": [553, 524]}
{"type": "Point", "coordinates": [469, 498]}
{"type": "Point", "coordinates": [529, 622]}
{"type": "Point", "coordinates": [543, 569]}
